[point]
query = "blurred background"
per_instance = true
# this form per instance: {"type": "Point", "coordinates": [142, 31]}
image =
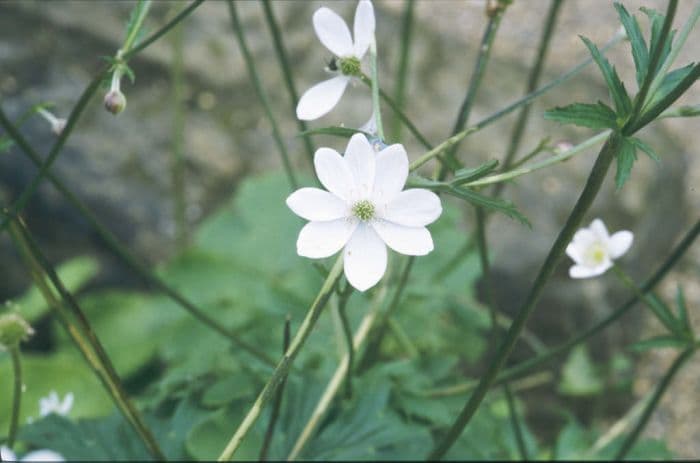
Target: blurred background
{"type": "Point", "coordinates": [121, 166]}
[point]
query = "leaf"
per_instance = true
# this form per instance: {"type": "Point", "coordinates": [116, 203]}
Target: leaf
{"type": "Point", "coordinates": [499, 205]}
{"type": "Point", "coordinates": [682, 111]}
{"type": "Point", "coordinates": [626, 156]}
{"type": "Point", "coordinates": [683, 310]}
{"type": "Point", "coordinates": [467, 175]}
{"type": "Point", "coordinates": [663, 314]}
{"type": "Point", "coordinates": [639, 144]}
{"type": "Point", "coordinates": [657, 22]}
{"type": "Point", "coordinates": [640, 53]}
{"type": "Point", "coordinates": [344, 132]}
{"type": "Point", "coordinates": [594, 116]}
{"type": "Point", "coordinates": [670, 82]}
{"type": "Point", "coordinates": [572, 442]}
{"type": "Point", "coordinates": [623, 104]}
{"type": "Point", "coordinates": [659, 342]}
{"type": "Point", "coordinates": [6, 143]}
{"type": "Point", "coordinates": [580, 377]}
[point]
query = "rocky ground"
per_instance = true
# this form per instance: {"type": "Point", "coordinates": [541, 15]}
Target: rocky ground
{"type": "Point", "coordinates": [120, 166]}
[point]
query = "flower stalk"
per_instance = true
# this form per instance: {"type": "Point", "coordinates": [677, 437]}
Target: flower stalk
{"type": "Point", "coordinates": [16, 395]}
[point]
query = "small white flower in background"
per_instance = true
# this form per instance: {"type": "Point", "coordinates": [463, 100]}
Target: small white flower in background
{"type": "Point", "coordinates": [57, 123]}
{"type": "Point", "coordinates": [364, 210]}
{"type": "Point", "coordinates": [593, 249]}
{"type": "Point", "coordinates": [335, 35]}
{"type": "Point", "coordinates": [53, 404]}
{"type": "Point", "coordinates": [37, 455]}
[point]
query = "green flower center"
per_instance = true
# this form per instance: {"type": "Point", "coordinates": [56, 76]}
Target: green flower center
{"type": "Point", "coordinates": [596, 254]}
{"type": "Point", "coordinates": [363, 210]}
{"type": "Point", "coordinates": [349, 66]}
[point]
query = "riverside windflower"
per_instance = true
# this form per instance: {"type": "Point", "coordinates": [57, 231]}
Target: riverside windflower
{"type": "Point", "coordinates": [364, 210]}
{"type": "Point", "coordinates": [335, 35]}
{"type": "Point", "coordinates": [593, 249]}
{"type": "Point", "coordinates": [53, 404]}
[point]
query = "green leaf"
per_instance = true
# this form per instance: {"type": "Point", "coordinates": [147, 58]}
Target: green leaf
{"type": "Point", "coordinates": [499, 205]}
{"type": "Point", "coordinates": [664, 314]}
{"type": "Point", "coordinates": [639, 144]}
{"type": "Point", "coordinates": [469, 174]}
{"type": "Point", "coordinates": [625, 160]}
{"type": "Point", "coordinates": [594, 116]}
{"type": "Point", "coordinates": [572, 442]}
{"type": "Point", "coordinates": [6, 143]}
{"type": "Point", "coordinates": [580, 377]}
{"type": "Point", "coordinates": [640, 53]}
{"type": "Point", "coordinates": [344, 132]}
{"type": "Point", "coordinates": [682, 111]}
{"type": "Point", "coordinates": [683, 310]}
{"type": "Point", "coordinates": [670, 82]}
{"type": "Point", "coordinates": [657, 22]}
{"type": "Point", "coordinates": [659, 342]}
{"type": "Point", "coordinates": [623, 104]}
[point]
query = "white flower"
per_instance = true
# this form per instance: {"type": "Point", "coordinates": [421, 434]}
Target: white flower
{"type": "Point", "coordinates": [364, 210]}
{"type": "Point", "coordinates": [52, 404]}
{"type": "Point", "coordinates": [335, 35]}
{"type": "Point", "coordinates": [37, 455]}
{"type": "Point", "coordinates": [593, 249]}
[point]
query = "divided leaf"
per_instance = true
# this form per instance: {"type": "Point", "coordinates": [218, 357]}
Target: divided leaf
{"type": "Point", "coordinates": [658, 342]}
{"type": "Point", "coordinates": [640, 53]}
{"type": "Point", "coordinates": [639, 144]}
{"type": "Point", "coordinates": [594, 116]}
{"type": "Point", "coordinates": [625, 159]}
{"type": "Point", "coordinates": [623, 104]}
{"type": "Point", "coordinates": [657, 23]}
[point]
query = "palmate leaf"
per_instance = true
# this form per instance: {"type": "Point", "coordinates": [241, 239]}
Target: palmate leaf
{"type": "Point", "coordinates": [640, 53]}
{"type": "Point", "coordinates": [639, 144]}
{"type": "Point", "coordinates": [594, 116]}
{"type": "Point", "coordinates": [618, 94]}
{"type": "Point", "coordinates": [670, 82]}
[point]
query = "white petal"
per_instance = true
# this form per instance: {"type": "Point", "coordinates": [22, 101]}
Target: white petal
{"type": "Point", "coordinates": [333, 172]}
{"type": "Point", "coordinates": [7, 454]}
{"type": "Point", "coordinates": [598, 227]}
{"type": "Point", "coordinates": [415, 207]}
{"type": "Point", "coordinates": [412, 241]}
{"type": "Point", "coordinates": [365, 258]}
{"type": "Point", "coordinates": [323, 239]}
{"type": "Point", "coordinates": [619, 243]}
{"type": "Point", "coordinates": [333, 32]}
{"type": "Point", "coordinates": [359, 157]}
{"type": "Point", "coordinates": [585, 271]}
{"type": "Point", "coordinates": [43, 455]}
{"type": "Point", "coordinates": [321, 98]}
{"type": "Point", "coordinates": [317, 204]}
{"type": "Point", "coordinates": [67, 403]}
{"type": "Point", "coordinates": [371, 125]}
{"type": "Point", "coordinates": [391, 173]}
{"type": "Point", "coordinates": [575, 251]}
{"type": "Point", "coordinates": [363, 27]}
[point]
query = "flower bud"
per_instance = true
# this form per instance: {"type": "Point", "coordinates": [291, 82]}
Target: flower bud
{"type": "Point", "coordinates": [115, 101]}
{"type": "Point", "coordinates": [13, 330]}
{"type": "Point", "coordinates": [58, 125]}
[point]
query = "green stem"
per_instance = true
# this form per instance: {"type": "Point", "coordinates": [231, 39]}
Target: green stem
{"type": "Point", "coordinates": [17, 395]}
{"type": "Point", "coordinates": [103, 364]}
{"type": "Point", "coordinates": [377, 109]}
{"type": "Point", "coordinates": [593, 184]}
{"type": "Point", "coordinates": [163, 30]}
{"type": "Point", "coordinates": [77, 111]}
{"type": "Point", "coordinates": [533, 80]}
{"type": "Point", "coordinates": [281, 53]}
{"type": "Point", "coordinates": [402, 73]}
{"type": "Point", "coordinates": [482, 60]}
{"type": "Point", "coordinates": [277, 404]}
{"type": "Point", "coordinates": [651, 406]}
{"type": "Point", "coordinates": [262, 95]}
{"type": "Point", "coordinates": [177, 165]}
{"type": "Point", "coordinates": [542, 359]}
{"type": "Point", "coordinates": [124, 254]}
{"type": "Point", "coordinates": [285, 363]}
{"type": "Point", "coordinates": [515, 423]}
{"type": "Point", "coordinates": [347, 332]}
{"type": "Point", "coordinates": [506, 176]}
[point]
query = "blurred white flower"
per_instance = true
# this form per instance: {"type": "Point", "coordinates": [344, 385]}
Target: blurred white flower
{"type": "Point", "coordinates": [57, 123]}
{"type": "Point", "coordinates": [364, 210]}
{"type": "Point", "coordinates": [37, 455]}
{"type": "Point", "coordinates": [335, 35]}
{"type": "Point", "coordinates": [593, 249]}
{"type": "Point", "coordinates": [53, 404]}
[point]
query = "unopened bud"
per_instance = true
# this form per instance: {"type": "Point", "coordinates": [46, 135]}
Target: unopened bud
{"type": "Point", "coordinates": [13, 330]}
{"type": "Point", "coordinates": [115, 101]}
{"type": "Point", "coordinates": [57, 123]}
{"type": "Point", "coordinates": [563, 146]}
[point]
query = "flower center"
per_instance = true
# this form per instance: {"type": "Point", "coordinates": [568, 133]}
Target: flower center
{"type": "Point", "coordinates": [363, 210]}
{"type": "Point", "coordinates": [596, 254]}
{"type": "Point", "coordinates": [349, 66]}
